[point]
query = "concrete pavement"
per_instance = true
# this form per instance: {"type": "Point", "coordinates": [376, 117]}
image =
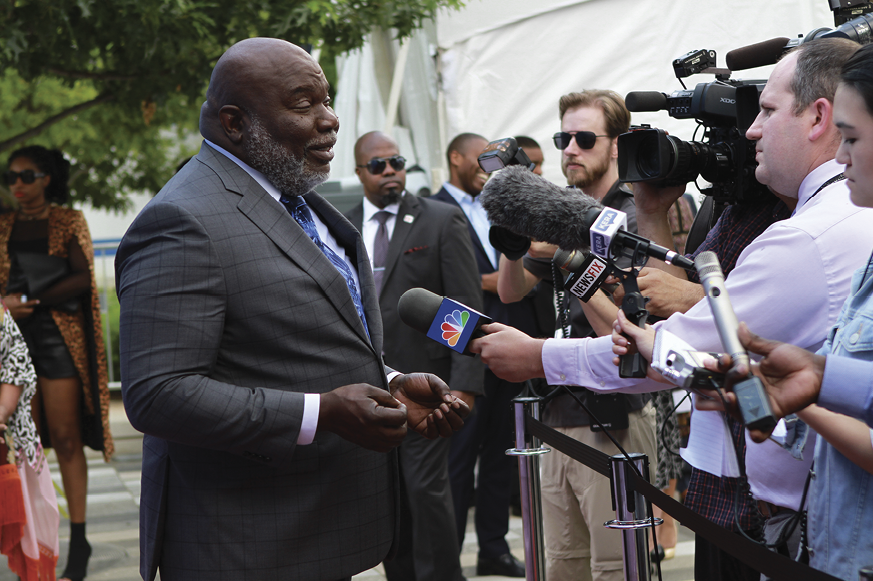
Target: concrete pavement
{"type": "Point", "coordinates": [113, 518]}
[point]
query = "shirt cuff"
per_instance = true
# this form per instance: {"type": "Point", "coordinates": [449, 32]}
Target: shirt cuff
{"type": "Point", "coordinates": [311, 405]}
{"type": "Point", "coordinates": [588, 362]}
{"type": "Point", "coordinates": [392, 375]}
{"type": "Point", "coordinates": [847, 387]}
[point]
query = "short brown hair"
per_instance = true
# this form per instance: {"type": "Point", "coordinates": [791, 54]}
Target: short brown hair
{"type": "Point", "coordinates": [614, 111]}
{"type": "Point", "coordinates": [817, 72]}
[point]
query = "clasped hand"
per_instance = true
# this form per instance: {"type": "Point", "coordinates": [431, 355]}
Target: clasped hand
{"type": "Point", "coordinates": [377, 420]}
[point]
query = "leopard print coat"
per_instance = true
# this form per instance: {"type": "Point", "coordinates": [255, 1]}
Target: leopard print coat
{"type": "Point", "coordinates": [79, 330]}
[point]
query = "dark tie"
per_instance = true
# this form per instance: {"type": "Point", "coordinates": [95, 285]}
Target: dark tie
{"type": "Point", "coordinates": [380, 248]}
{"type": "Point", "coordinates": [298, 209]}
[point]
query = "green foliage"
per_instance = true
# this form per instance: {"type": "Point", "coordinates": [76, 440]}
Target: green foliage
{"type": "Point", "coordinates": [142, 66]}
{"type": "Point", "coordinates": [110, 320]}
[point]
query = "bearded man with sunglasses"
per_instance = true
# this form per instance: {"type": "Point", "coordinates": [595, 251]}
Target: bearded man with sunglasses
{"type": "Point", "coordinates": [417, 242]}
{"type": "Point", "coordinates": [577, 500]}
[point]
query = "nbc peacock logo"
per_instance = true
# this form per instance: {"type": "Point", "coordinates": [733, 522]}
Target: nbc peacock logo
{"type": "Point", "coordinates": [453, 325]}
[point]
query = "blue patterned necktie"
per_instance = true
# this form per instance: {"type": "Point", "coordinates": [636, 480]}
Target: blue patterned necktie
{"type": "Point", "coordinates": [298, 209]}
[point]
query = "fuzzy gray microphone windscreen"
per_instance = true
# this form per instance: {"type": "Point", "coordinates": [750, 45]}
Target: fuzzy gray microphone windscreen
{"type": "Point", "coordinates": [527, 204]}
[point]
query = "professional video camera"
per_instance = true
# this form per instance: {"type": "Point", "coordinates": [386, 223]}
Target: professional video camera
{"type": "Point", "coordinates": [852, 19]}
{"type": "Point", "coordinates": [724, 108]}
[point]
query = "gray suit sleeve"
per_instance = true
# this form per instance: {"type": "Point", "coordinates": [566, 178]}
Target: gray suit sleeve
{"type": "Point", "coordinates": [463, 283]}
{"type": "Point", "coordinates": [172, 291]}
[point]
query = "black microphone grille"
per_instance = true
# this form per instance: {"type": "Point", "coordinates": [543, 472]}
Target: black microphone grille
{"type": "Point", "coordinates": [417, 308]}
{"type": "Point", "coordinates": [641, 101]}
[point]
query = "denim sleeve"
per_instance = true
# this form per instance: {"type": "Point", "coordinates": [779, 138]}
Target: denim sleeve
{"type": "Point", "coordinates": [847, 387]}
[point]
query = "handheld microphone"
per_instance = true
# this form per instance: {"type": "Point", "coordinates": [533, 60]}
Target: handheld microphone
{"type": "Point", "coordinates": [442, 319]}
{"type": "Point", "coordinates": [756, 55]}
{"type": "Point", "coordinates": [587, 272]}
{"type": "Point", "coordinates": [751, 395]}
{"type": "Point", "coordinates": [531, 205]}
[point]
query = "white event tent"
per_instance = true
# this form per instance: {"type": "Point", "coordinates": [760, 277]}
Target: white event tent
{"type": "Point", "coordinates": [498, 67]}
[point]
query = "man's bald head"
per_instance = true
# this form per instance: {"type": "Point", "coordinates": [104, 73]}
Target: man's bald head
{"type": "Point", "coordinates": [268, 105]}
{"type": "Point", "coordinates": [243, 74]}
{"type": "Point", "coordinates": [367, 141]}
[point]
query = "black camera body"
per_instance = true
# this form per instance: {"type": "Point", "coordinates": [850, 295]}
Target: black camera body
{"type": "Point", "coordinates": [501, 153]}
{"type": "Point", "coordinates": [725, 108]}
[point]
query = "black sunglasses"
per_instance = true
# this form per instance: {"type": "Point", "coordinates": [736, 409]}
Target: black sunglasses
{"type": "Point", "coordinates": [377, 165]}
{"type": "Point", "coordinates": [584, 139]}
{"type": "Point", "coordinates": [27, 176]}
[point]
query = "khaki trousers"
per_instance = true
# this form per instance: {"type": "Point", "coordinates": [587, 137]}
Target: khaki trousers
{"type": "Point", "coordinates": [577, 501]}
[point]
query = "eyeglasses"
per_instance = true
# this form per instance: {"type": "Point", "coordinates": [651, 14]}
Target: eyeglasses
{"type": "Point", "coordinates": [584, 139]}
{"type": "Point", "coordinates": [377, 165]}
{"type": "Point", "coordinates": [27, 176]}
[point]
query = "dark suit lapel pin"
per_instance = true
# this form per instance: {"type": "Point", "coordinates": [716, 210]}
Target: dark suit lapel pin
{"type": "Point", "coordinates": [408, 218]}
{"type": "Point", "coordinates": [414, 249]}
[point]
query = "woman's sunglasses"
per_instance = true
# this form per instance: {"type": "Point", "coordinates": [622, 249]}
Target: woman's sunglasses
{"type": "Point", "coordinates": [27, 176]}
{"type": "Point", "coordinates": [584, 139]}
{"type": "Point", "coordinates": [377, 165]}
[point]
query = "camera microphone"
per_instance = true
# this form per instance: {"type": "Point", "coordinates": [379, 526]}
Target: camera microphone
{"type": "Point", "coordinates": [645, 101]}
{"type": "Point", "coordinates": [756, 55]}
{"type": "Point", "coordinates": [751, 395]}
{"type": "Point", "coordinates": [442, 319]}
{"type": "Point", "coordinates": [530, 205]}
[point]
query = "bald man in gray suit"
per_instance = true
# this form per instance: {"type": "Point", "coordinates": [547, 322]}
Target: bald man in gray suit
{"type": "Point", "coordinates": [250, 348]}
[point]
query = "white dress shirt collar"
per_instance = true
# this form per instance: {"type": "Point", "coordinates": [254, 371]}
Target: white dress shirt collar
{"type": "Point", "coordinates": [256, 175]}
{"type": "Point", "coordinates": [814, 180]}
{"type": "Point", "coordinates": [370, 209]}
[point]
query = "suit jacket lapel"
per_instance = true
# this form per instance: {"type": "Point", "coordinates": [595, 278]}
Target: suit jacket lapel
{"type": "Point", "coordinates": [482, 255]}
{"type": "Point", "coordinates": [275, 222]}
{"type": "Point", "coordinates": [409, 206]}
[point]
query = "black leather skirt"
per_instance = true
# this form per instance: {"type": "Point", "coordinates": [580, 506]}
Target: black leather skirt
{"type": "Point", "coordinates": [49, 353]}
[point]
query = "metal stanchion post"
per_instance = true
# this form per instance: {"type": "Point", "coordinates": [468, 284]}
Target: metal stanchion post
{"type": "Point", "coordinates": [528, 451]}
{"type": "Point", "coordinates": [631, 517]}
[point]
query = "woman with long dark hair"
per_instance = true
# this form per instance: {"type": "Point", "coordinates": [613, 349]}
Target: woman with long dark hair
{"type": "Point", "coordinates": [47, 278]}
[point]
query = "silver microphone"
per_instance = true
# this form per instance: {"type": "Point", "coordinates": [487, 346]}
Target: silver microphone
{"type": "Point", "coordinates": [752, 398]}
{"type": "Point", "coordinates": [712, 279]}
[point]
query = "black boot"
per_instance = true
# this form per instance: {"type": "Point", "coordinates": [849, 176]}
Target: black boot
{"type": "Point", "coordinates": [80, 552]}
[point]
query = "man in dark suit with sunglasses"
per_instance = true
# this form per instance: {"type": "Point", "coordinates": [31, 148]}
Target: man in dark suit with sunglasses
{"type": "Point", "coordinates": [577, 500]}
{"type": "Point", "coordinates": [416, 242]}
{"type": "Point", "coordinates": [490, 429]}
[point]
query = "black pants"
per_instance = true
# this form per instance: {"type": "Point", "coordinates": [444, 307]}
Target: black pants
{"type": "Point", "coordinates": [486, 436]}
{"type": "Point", "coordinates": [713, 564]}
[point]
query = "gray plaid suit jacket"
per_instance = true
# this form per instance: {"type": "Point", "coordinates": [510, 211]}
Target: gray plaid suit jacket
{"type": "Point", "coordinates": [229, 314]}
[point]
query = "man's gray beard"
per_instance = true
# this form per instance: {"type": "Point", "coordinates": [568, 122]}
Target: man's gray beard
{"type": "Point", "coordinates": [281, 167]}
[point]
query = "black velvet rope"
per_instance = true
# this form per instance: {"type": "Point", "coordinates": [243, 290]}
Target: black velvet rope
{"type": "Point", "coordinates": [776, 566]}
